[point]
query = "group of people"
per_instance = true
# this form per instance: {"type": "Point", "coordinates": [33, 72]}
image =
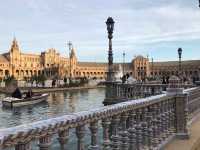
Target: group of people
{"type": "Point", "coordinates": [18, 94]}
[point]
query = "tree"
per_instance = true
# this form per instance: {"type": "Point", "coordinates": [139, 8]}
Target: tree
{"type": "Point", "coordinates": [8, 80]}
{"type": "Point", "coordinates": [53, 83]}
{"type": "Point", "coordinates": [41, 79]}
{"type": "Point", "coordinates": [26, 79]}
{"type": "Point", "coordinates": [34, 78]}
{"type": "Point", "coordinates": [65, 81]}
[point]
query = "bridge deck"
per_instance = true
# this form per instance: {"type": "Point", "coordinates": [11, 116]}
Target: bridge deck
{"type": "Point", "coordinates": [191, 144]}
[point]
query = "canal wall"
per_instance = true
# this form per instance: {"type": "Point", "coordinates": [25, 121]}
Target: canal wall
{"type": "Point", "coordinates": [46, 90]}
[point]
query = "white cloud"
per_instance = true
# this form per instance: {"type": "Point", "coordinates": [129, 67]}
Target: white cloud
{"type": "Point", "coordinates": [139, 23]}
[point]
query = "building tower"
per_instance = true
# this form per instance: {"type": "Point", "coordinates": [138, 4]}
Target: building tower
{"type": "Point", "coordinates": [14, 57]}
{"type": "Point", "coordinates": [73, 62]}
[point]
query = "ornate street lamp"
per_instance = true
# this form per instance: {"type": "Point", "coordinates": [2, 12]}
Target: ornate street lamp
{"type": "Point", "coordinates": [124, 63]}
{"type": "Point", "coordinates": [110, 27]}
{"type": "Point", "coordinates": [152, 68]}
{"type": "Point", "coordinates": [70, 65]}
{"type": "Point", "coordinates": [179, 55]}
{"type": "Point", "coordinates": [109, 94]}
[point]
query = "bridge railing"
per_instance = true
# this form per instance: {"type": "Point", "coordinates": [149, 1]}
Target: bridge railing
{"type": "Point", "coordinates": [148, 123]}
{"type": "Point", "coordinates": [124, 92]}
{"type": "Point", "coordinates": [193, 102]}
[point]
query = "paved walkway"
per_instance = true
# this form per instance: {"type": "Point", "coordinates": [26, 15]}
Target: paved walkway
{"type": "Point", "coordinates": [192, 144]}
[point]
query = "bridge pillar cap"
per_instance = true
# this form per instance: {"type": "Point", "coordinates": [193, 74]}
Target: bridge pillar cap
{"type": "Point", "coordinates": [174, 82]}
{"type": "Point", "coordinates": [174, 86]}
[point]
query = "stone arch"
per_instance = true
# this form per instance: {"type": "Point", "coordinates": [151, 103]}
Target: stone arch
{"type": "Point", "coordinates": [17, 72]}
{"type": "Point", "coordinates": [7, 73]}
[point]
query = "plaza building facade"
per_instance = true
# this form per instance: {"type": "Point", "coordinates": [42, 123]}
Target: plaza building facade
{"type": "Point", "coordinates": [51, 64]}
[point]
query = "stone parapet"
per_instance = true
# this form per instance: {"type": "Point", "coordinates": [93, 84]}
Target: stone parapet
{"type": "Point", "coordinates": [148, 123]}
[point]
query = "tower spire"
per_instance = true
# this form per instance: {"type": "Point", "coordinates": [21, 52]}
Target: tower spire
{"type": "Point", "coordinates": [14, 45]}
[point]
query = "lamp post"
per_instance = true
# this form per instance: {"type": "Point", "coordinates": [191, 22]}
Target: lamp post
{"type": "Point", "coordinates": [180, 55]}
{"type": "Point", "coordinates": [110, 27]}
{"type": "Point", "coordinates": [123, 63]}
{"type": "Point", "coordinates": [109, 93]}
{"type": "Point", "coordinates": [152, 68]}
{"type": "Point", "coordinates": [70, 47]}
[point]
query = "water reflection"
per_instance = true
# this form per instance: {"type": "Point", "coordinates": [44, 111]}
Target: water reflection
{"type": "Point", "coordinates": [58, 103]}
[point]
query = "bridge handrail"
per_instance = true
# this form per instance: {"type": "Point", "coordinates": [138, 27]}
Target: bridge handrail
{"type": "Point", "coordinates": [74, 119]}
{"type": "Point", "coordinates": [153, 119]}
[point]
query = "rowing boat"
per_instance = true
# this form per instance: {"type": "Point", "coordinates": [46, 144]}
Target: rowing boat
{"type": "Point", "coordinates": [16, 102]}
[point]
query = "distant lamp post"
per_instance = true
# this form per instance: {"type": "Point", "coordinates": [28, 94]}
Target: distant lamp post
{"type": "Point", "coordinates": [70, 65]}
{"type": "Point", "coordinates": [110, 27]}
{"type": "Point", "coordinates": [180, 55]}
{"type": "Point", "coordinates": [152, 68]}
{"type": "Point", "coordinates": [124, 63]}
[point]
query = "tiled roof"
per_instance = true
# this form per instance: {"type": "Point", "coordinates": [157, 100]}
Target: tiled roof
{"type": "Point", "coordinates": [3, 59]}
{"type": "Point", "coordinates": [172, 63]}
{"type": "Point", "coordinates": [127, 66]}
{"type": "Point", "coordinates": [91, 64]}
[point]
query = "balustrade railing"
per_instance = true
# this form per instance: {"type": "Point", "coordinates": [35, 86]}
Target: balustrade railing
{"type": "Point", "coordinates": [193, 102]}
{"type": "Point", "coordinates": [148, 123]}
{"type": "Point", "coordinates": [123, 92]}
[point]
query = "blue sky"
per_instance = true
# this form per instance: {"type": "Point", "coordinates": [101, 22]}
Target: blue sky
{"type": "Point", "coordinates": [154, 27]}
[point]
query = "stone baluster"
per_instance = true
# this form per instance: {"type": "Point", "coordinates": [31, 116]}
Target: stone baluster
{"type": "Point", "coordinates": [149, 91]}
{"type": "Point", "coordinates": [159, 122]}
{"type": "Point", "coordinates": [124, 133]}
{"type": "Point", "coordinates": [172, 115]}
{"type": "Point", "coordinates": [45, 142]}
{"type": "Point", "coordinates": [150, 127]}
{"type": "Point", "coordinates": [161, 89]}
{"type": "Point", "coordinates": [94, 131]}
{"type": "Point", "coordinates": [144, 127]}
{"type": "Point", "coordinates": [122, 91]}
{"type": "Point", "coordinates": [106, 140]}
{"type": "Point", "coordinates": [118, 91]}
{"type": "Point", "coordinates": [128, 92]}
{"type": "Point", "coordinates": [155, 141]}
{"type": "Point", "coordinates": [125, 92]}
{"type": "Point", "coordinates": [163, 121]}
{"type": "Point", "coordinates": [132, 131]}
{"type": "Point", "coordinates": [167, 118]}
{"type": "Point", "coordinates": [25, 145]}
{"type": "Point", "coordinates": [142, 91]}
{"type": "Point", "coordinates": [138, 130]}
{"type": "Point", "coordinates": [156, 90]}
{"type": "Point", "coordinates": [63, 136]}
{"type": "Point", "coordinates": [115, 136]}
{"type": "Point", "coordinates": [134, 92]}
{"type": "Point", "coordinates": [80, 133]}
{"type": "Point", "coordinates": [137, 91]}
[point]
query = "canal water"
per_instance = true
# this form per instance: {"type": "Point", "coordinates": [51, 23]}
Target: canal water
{"type": "Point", "coordinates": [58, 104]}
